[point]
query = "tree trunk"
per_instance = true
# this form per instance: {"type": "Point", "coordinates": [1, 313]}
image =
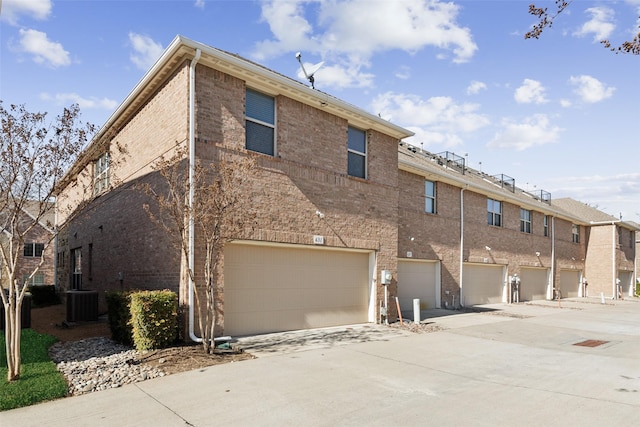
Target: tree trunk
{"type": "Point", "coordinates": [12, 332]}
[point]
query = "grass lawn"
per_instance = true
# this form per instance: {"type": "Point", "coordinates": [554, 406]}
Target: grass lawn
{"type": "Point", "coordinates": [39, 379]}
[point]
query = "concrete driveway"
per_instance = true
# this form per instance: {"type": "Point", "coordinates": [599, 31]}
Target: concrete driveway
{"type": "Point", "coordinates": [515, 365]}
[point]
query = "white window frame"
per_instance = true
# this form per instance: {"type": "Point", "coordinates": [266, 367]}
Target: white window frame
{"type": "Point", "coordinates": [33, 250]}
{"type": "Point", "coordinates": [546, 226]}
{"type": "Point", "coordinates": [38, 277]}
{"type": "Point", "coordinates": [262, 123]}
{"type": "Point", "coordinates": [101, 169]}
{"type": "Point", "coordinates": [492, 215]}
{"type": "Point", "coordinates": [358, 153]}
{"type": "Point", "coordinates": [575, 233]}
{"type": "Point", "coordinates": [525, 220]}
{"type": "Point", "coordinates": [430, 197]}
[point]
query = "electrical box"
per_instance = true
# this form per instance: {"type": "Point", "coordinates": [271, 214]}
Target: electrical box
{"type": "Point", "coordinates": [385, 277]}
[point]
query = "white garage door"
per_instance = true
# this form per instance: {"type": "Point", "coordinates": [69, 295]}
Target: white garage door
{"type": "Point", "coordinates": [626, 283]}
{"type": "Point", "coordinates": [282, 288]}
{"type": "Point", "coordinates": [418, 279]}
{"type": "Point", "coordinates": [533, 284]}
{"type": "Point", "coordinates": [482, 284]}
{"type": "Point", "coordinates": [570, 283]}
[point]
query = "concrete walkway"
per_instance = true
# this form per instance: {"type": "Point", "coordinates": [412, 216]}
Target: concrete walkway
{"type": "Point", "coordinates": [515, 365]}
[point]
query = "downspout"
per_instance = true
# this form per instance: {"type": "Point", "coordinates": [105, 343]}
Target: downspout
{"type": "Point", "coordinates": [192, 166]}
{"type": "Point", "coordinates": [613, 261]}
{"type": "Point", "coordinates": [553, 258]}
{"type": "Point", "coordinates": [461, 243]}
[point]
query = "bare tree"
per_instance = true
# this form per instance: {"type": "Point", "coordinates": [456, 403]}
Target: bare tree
{"type": "Point", "coordinates": [546, 19]}
{"type": "Point", "coordinates": [34, 155]}
{"type": "Point", "coordinates": [221, 211]}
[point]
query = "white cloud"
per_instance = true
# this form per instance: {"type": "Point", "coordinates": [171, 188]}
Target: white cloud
{"type": "Point", "coordinates": [565, 103]}
{"type": "Point", "coordinates": [348, 33]}
{"type": "Point", "coordinates": [437, 120]}
{"type": "Point", "coordinates": [532, 131]}
{"type": "Point", "coordinates": [11, 10]}
{"type": "Point", "coordinates": [403, 73]}
{"type": "Point", "coordinates": [531, 92]}
{"type": "Point", "coordinates": [43, 50]}
{"type": "Point", "coordinates": [475, 87]}
{"type": "Point", "coordinates": [614, 194]}
{"type": "Point", "coordinates": [84, 103]}
{"type": "Point", "coordinates": [600, 24]}
{"type": "Point", "coordinates": [145, 51]}
{"type": "Point", "coordinates": [340, 76]}
{"type": "Point", "coordinates": [590, 89]}
{"type": "Point", "coordinates": [199, 4]}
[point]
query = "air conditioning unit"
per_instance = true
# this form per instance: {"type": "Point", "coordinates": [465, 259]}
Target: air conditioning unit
{"type": "Point", "coordinates": [82, 306]}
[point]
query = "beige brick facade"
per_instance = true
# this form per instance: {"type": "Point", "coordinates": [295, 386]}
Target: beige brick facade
{"type": "Point", "coordinates": [383, 213]}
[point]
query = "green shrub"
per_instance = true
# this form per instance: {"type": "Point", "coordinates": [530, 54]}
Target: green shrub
{"type": "Point", "coordinates": [43, 296]}
{"type": "Point", "coordinates": [119, 317]}
{"type": "Point", "coordinates": [154, 319]}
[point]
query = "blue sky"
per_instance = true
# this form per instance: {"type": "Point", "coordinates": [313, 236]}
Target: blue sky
{"type": "Point", "coordinates": [560, 114]}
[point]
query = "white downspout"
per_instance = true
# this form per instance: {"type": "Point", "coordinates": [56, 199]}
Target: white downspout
{"type": "Point", "coordinates": [192, 166]}
{"type": "Point", "coordinates": [614, 273]}
{"type": "Point", "coordinates": [461, 243]}
{"type": "Point", "coordinates": [553, 258]}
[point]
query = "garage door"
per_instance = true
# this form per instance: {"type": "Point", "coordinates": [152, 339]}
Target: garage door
{"type": "Point", "coordinates": [570, 283]}
{"type": "Point", "coordinates": [482, 284]}
{"type": "Point", "coordinates": [278, 288]}
{"type": "Point", "coordinates": [418, 279]}
{"type": "Point", "coordinates": [533, 284]}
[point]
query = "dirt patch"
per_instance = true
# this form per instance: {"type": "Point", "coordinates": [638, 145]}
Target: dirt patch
{"type": "Point", "coordinates": [51, 320]}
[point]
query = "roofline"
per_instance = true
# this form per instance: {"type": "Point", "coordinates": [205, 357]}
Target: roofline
{"type": "Point", "coordinates": [498, 195]}
{"type": "Point", "coordinates": [255, 75]}
{"type": "Point", "coordinates": [258, 77]}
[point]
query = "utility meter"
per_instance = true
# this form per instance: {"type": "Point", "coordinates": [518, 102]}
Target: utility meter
{"type": "Point", "coordinates": [385, 277]}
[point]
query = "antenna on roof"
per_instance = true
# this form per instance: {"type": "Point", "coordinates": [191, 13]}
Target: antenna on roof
{"type": "Point", "coordinates": [311, 72]}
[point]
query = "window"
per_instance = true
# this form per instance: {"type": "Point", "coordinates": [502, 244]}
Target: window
{"type": "Point", "coordinates": [357, 153]}
{"type": "Point", "coordinates": [546, 226]}
{"type": "Point", "coordinates": [101, 174]}
{"type": "Point", "coordinates": [33, 249]}
{"type": "Point", "coordinates": [260, 123]}
{"type": "Point", "coordinates": [575, 232]}
{"type": "Point", "coordinates": [36, 280]}
{"type": "Point", "coordinates": [494, 212]}
{"type": "Point", "coordinates": [525, 221]}
{"type": "Point", "coordinates": [430, 197]}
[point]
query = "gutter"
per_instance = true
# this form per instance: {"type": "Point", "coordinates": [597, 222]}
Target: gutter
{"type": "Point", "coordinates": [461, 243]}
{"type": "Point", "coordinates": [192, 166]}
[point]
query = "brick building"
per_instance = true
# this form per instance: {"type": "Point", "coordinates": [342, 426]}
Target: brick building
{"type": "Point", "coordinates": [339, 200]}
{"type": "Point", "coordinates": [37, 242]}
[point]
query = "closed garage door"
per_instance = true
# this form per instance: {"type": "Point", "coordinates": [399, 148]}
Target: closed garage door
{"type": "Point", "coordinates": [483, 284]}
{"type": "Point", "coordinates": [533, 284]}
{"type": "Point", "coordinates": [418, 279]}
{"type": "Point", "coordinates": [278, 288]}
{"type": "Point", "coordinates": [569, 283]}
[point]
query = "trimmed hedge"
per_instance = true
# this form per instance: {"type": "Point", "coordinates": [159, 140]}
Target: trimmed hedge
{"type": "Point", "coordinates": [43, 295]}
{"type": "Point", "coordinates": [119, 317]}
{"type": "Point", "coordinates": [154, 319]}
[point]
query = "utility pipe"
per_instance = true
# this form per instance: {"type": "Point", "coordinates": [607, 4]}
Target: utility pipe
{"type": "Point", "coordinates": [553, 258]}
{"type": "Point", "coordinates": [192, 167]}
{"type": "Point", "coordinates": [461, 244]}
